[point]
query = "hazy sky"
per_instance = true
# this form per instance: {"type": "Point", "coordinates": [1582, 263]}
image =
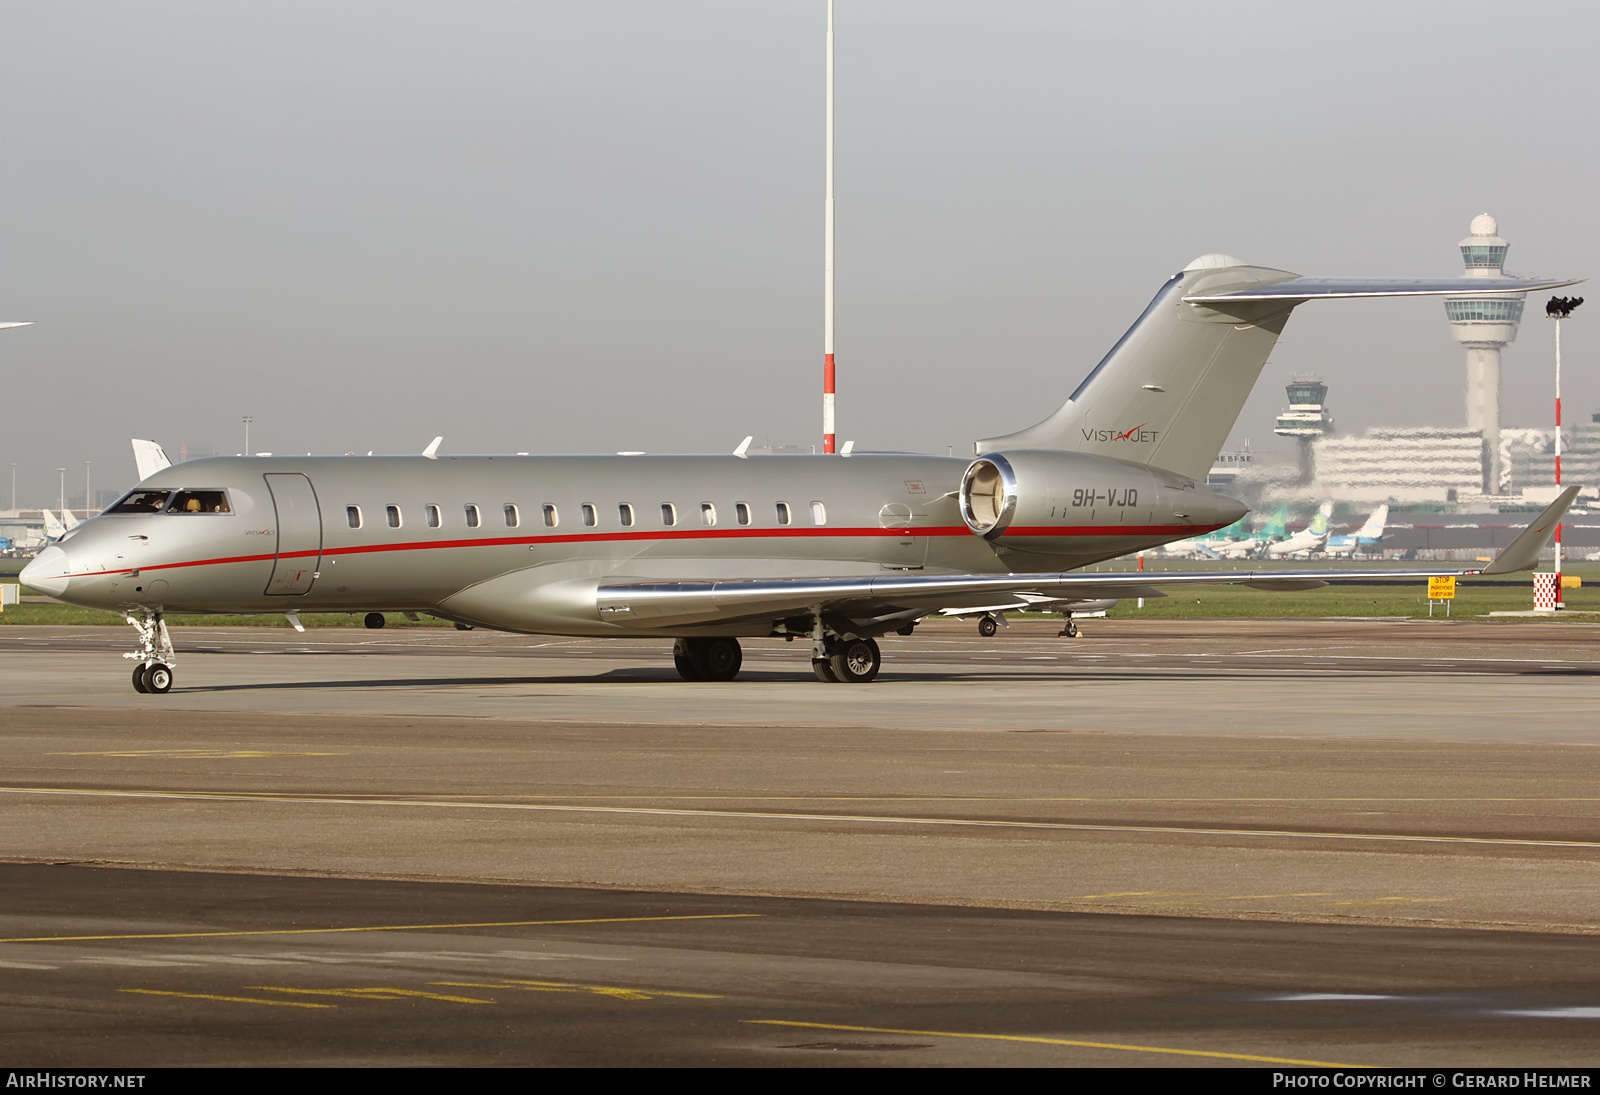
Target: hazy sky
{"type": "Point", "coordinates": [592, 226]}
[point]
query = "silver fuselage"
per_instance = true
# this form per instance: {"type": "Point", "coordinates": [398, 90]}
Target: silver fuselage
{"type": "Point", "coordinates": [288, 542]}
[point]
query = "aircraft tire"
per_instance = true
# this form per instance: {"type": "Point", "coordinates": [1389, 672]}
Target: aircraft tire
{"type": "Point", "coordinates": [374, 620]}
{"type": "Point", "coordinates": [823, 669]}
{"type": "Point", "coordinates": [158, 678]}
{"type": "Point", "coordinates": [716, 659]}
{"type": "Point", "coordinates": [685, 665]}
{"type": "Point", "coordinates": [138, 678]}
{"type": "Point", "coordinates": [856, 661]}
{"type": "Point", "coordinates": [1070, 631]}
{"type": "Point", "coordinates": [987, 627]}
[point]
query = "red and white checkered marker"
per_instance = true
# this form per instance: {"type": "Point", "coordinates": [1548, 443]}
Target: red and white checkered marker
{"type": "Point", "coordinates": [1545, 591]}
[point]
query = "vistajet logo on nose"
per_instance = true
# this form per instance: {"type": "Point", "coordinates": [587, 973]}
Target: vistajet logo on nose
{"type": "Point", "coordinates": [1138, 435]}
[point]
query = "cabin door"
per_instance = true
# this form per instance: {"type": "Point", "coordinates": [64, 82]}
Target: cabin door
{"type": "Point", "coordinates": [299, 534]}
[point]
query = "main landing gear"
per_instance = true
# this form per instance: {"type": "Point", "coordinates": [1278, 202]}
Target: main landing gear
{"type": "Point", "coordinates": [848, 661]}
{"type": "Point", "coordinates": [154, 654]}
{"type": "Point", "coordinates": [707, 659]}
{"type": "Point", "coordinates": [987, 627]}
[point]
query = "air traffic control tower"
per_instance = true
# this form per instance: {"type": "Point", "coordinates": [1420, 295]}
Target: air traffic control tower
{"type": "Point", "coordinates": [1483, 327]}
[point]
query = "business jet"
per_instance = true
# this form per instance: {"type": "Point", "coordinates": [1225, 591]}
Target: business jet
{"type": "Point", "coordinates": [831, 550]}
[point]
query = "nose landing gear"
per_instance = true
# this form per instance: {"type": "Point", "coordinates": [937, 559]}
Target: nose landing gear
{"type": "Point", "coordinates": [155, 655]}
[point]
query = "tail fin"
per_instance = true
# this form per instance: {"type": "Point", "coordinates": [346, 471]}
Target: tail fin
{"type": "Point", "coordinates": [1170, 390]}
{"type": "Point", "coordinates": [1319, 523]}
{"type": "Point", "coordinates": [1375, 524]}
{"type": "Point", "coordinates": [53, 528]}
{"type": "Point", "coordinates": [149, 457]}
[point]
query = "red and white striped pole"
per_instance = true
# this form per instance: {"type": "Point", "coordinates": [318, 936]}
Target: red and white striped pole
{"type": "Point", "coordinates": [1561, 598]}
{"type": "Point", "coordinates": [827, 264]}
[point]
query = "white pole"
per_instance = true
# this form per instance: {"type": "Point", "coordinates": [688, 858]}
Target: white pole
{"type": "Point", "coordinates": [828, 431]}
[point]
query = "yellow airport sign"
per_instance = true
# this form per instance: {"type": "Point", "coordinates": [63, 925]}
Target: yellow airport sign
{"type": "Point", "coordinates": [1441, 589]}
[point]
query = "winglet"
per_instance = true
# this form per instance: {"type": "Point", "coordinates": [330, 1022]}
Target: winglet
{"type": "Point", "coordinates": [849, 447]}
{"type": "Point", "coordinates": [1523, 552]}
{"type": "Point", "coordinates": [744, 447]}
{"type": "Point", "coordinates": [433, 447]}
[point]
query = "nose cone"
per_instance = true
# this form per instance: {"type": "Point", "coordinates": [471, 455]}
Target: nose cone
{"type": "Point", "coordinates": [1230, 510]}
{"type": "Point", "coordinates": [47, 572]}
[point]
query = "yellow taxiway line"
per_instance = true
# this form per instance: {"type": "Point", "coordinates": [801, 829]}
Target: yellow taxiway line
{"type": "Point", "coordinates": [1053, 1042]}
{"type": "Point", "coordinates": [757, 815]}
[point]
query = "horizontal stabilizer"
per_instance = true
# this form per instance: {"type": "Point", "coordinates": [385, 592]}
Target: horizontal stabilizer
{"type": "Point", "coordinates": [1302, 289]}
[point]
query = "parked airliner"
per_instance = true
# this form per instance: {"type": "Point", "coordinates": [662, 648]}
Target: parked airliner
{"type": "Point", "coordinates": [833, 550]}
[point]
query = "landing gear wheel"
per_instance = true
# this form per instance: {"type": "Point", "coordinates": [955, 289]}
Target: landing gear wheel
{"type": "Point", "coordinates": [374, 620]}
{"type": "Point", "coordinates": [716, 659]}
{"type": "Point", "coordinates": [1070, 631]}
{"type": "Point", "coordinates": [463, 627]}
{"type": "Point", "coordinates": [138, 679]}
{"type": "Point", "coordinates": [987, 627]}
{"type": "Point", "coordinates": [824, 671]}
{"type": "Point", "coordinates": [856, 661]}
{"type": "Point", "coordinates": [686, 668]}
{"type": "Point", "coordinates": [158, 678]}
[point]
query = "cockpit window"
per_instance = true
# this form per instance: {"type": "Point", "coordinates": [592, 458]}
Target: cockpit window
{"type": "Point", "coordinates": [142, 501]}
{"type": "Point", "coordinates": [200, 501]}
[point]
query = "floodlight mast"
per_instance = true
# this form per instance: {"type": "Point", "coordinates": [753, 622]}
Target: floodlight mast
{"type": "Point", "coordinates": [828, 432]}
{"type": "Point", "coordinates": [1559, 308]}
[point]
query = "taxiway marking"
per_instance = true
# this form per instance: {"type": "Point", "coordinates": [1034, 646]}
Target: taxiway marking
{"type": "Point", "coordinates": [754, 815]}
{"type": "Point", "coordinates": [383, 928]}
{"type": "Point", "coordinates": [228, 999]}
{"type": "Point", "coordinates": [1053, 1042]}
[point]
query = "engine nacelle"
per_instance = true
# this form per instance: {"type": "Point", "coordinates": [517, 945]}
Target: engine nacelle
{"type": "Point", "coordinates": [1067, 503]}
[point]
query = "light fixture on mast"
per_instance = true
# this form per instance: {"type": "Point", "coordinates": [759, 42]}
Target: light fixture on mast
{"type": "Point", "coordinates": [1558, 309]}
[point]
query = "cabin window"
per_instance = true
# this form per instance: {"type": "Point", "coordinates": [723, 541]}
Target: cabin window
{"type": "Point", "coordinates": [472, 515]}
{"type": "Point", "coordinates": [512, 519]}
{"type": "Point", "coordinates": [551, 517]}
{"type": "Point", "coordinates": [819, 514]}
{"type": "Point", "coordinates": [783, 513]}
{"type": "Point", "coordinates": [625, 515]}
{"type": "Point", "coordinates": [588, 514]}
{"type": "Point", "coordinates": [708, 513]}
{"type": "Point", "coordinates": [742, 512]}
{"type": "Point", "coordinates": [199, 501]}
{"type": "Point", "coordinates": [432, 513]}
{"type": "Point", "coordinates": [394, 515]}
{"type": "Point", "coordinates": [669, 515]}
{"type": "Point", "coordinates": [353, 515]}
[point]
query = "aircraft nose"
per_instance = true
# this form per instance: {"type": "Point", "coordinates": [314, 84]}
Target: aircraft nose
{"type": "Point", "coordinates": [1230, 510]}
{"type": "Point", "coordinates": [47, 572]}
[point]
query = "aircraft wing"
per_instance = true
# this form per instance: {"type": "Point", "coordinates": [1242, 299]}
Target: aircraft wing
{"type": "Point", "coordinates": [1296, 290]}
{"type": "Point", "coordinates": [875, 600]}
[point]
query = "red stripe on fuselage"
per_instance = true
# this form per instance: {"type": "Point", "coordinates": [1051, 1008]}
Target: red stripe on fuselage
{"type": "Point", "coordinates": [688, 534]}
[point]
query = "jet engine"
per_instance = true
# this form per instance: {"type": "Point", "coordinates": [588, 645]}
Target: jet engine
{"type": "Point", "coordinates": [1056, 502]}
